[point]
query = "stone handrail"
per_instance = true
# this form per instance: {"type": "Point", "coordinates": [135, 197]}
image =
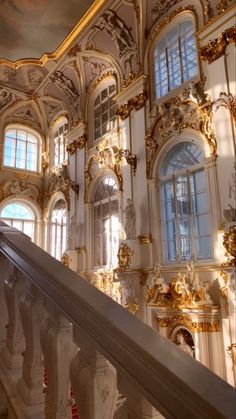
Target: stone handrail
{"type": "Point", "coordinates": [152, 366]}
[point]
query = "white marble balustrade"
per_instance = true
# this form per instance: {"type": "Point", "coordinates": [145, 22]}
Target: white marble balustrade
{"type": "Point", "coordinates": [117, 366]}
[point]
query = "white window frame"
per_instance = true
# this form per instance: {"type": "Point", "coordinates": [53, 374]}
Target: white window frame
{"type": "Point", "coordinates": [28, 132]}
{"type": "Point", "coordinates": [36, 216]}
{"type": "Point", "coordinates": [112, 234]}
{"type": "Point", "coordinates": [58, 140]}
{"type": "Point", "coordinates": [162, 179]}
{"type": "Point", "coordinates": [104, 84]}
{"type": "Point", "coordinates": [162, 38]}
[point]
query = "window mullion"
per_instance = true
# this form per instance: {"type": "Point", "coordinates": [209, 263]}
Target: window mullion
{"type": "Point", "coordinates": [176, 222]}
{"type": "Point", "coordinates": [180, 60]}
{"type": "Point", "coordinates": [167, 68]}
{"type": "Point", "coordinates": [191, 218]}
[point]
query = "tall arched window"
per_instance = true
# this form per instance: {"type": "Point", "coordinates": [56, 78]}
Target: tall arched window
{"type": "Point", "coordinates": [59, 142]}
{"type": "Point", "coordinates": [104, 111]}
{"type": "Point", "coordinates": [186, 232]}
{"type": "Point", "coordinates": [20, 216]}
{"type": "Point", "coordinates": [21, 149]}
{"type": "Point", "coordinates": [106, 224]}
{"type": "Point", "coordinates": [175, 58]}
{"type": "Point", "coordinates": [58, 229]}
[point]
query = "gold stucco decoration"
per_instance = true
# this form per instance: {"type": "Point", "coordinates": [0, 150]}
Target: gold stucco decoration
{"type": "Point", "coordinates": [191, 108]}
{"type": "Point", "coordinates": [229, 242]}
{"type": "Point", "coordinates": [216, 48]}
{"type": "Point", "coordinates": [79, 143]}
{"type": "Point", "coordinates": [124, 257]}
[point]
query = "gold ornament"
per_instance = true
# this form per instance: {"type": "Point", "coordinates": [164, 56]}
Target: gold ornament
{"type": "Point", "coordinates": [124, 257]}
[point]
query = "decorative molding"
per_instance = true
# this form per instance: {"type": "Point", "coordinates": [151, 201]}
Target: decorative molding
{"type": "Point", "coordinates": [22, 188]}
{"type": "Point", "coordinates": [191, 108]}
{"type": "Point", "coordinates": [136, 103]}
{"type": "Point", "coordinates": [186, 321]}
{"type": "Point", "coordinates": [66, 260]}
{"type": "Point", "coordinates": [167, 19]}
{"type": "Point", "coordinates": [145, 239]}
{"type": "Point", "coordinates": [59, 180]}
{"type": "Point", "coordinates": [124, 257]}
{"type": "Point", "coordinates": [229, 242]}
{"type": "Point", "coordinates": [216, 48]}
{"type": "Point", "coordinates": [160, 8]}
{"type": "Point", "coordinates": [228, 101]}
{"type": "Point", "coordinates": [184, 291]}
{"type": "Point", "coordinates": [79, 143]}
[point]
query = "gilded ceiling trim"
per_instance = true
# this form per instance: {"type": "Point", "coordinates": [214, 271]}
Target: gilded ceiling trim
{"type": "Point", "coordinates": [76, 31]}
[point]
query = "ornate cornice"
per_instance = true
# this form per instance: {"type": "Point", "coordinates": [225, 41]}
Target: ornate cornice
{"type": "Point", "coordinates": [216, 48]}
{"type": "Point", "coordinates": [79, 143]}
{"type": "Point", "coordinates": [135, 103]}
{"type": "Point", "coordinates": [195, 327]}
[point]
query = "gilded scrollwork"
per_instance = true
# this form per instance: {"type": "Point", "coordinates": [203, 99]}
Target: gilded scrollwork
{"type": "Point", "coordinates": [191, 108]}
{"type": "Point", "coordinates": [124, 256]}
{"type": "Point", "coordinates": [66, 260]}
{"type": "Point", "coordinates": [79, 143]}
{"type": "Point", "coordinates": [135, 103]}
{"type": "Point", "coordinates": [229, 242]}
{"type": "Point", "coordinates": [184, 291]}
{"type": "Point", "coordinates": [216, 48]}
{"type": "Point", "coordinates": [228, 101]}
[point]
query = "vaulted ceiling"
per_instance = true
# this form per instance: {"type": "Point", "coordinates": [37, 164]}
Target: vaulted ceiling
{"type": "Point", "coordinates": [29, 28]}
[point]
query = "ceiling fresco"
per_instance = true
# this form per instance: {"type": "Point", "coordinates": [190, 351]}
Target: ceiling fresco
{"type": "Point", "coordinates": [29, 28]}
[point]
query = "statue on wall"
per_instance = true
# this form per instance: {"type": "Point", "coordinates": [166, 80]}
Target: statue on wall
{"type": "Point", "coordinates": [129, 227]}
{"type": "Point", "coordinates": [183, 341]}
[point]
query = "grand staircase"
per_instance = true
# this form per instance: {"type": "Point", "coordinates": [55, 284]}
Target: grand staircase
{"type": "Point", "coordinates": [117, 366]}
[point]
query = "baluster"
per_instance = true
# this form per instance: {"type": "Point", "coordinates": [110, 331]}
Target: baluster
{"type": "Point", "coordinates": [58, 350]}
{"type": "Point", "coordinates": [93, 381]}
{"type": "Point", "coordinates": [5, 269]}
{"type": "Point", "coordinates": [133, 405]}
{"type": "Point", "coordinates": [32, 315]}
{"type": "Point", "coordinates": [14, 346]}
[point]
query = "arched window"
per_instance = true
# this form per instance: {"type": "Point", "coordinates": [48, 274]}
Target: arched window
{"type": "Point", "coordinates": [175, 58]}
{"type": "Point", "coordinates": [104, 111]}
{"type": "Point", "coordinates": [20, 216]}
{"type": "Point", "coordinates": [58, 229]}
{"type": "Point", "coordinates": [184, 205]}
{"type": "Point", "coordinates": [106, 224]}
{"type": "Point", "coordinates": [59, 142]}
{"type": "Point", "coordinates": [21, 149]}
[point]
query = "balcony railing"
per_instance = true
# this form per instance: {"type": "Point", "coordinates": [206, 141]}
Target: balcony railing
{"type": "Point", "coordinates": [117, 366]}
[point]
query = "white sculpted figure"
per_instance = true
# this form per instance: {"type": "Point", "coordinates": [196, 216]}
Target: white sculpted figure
{"type": "Point", "coordinates": [181, 342]}
{"type": "Point", "coordinates": [129, 226]}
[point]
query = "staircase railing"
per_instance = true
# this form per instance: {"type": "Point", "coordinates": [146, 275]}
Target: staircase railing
{"type": "Point", "coordinates": [89, 342]}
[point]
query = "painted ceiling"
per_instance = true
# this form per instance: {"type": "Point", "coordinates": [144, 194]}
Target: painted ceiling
{"type": "Point", "coordinates": [29, 28]}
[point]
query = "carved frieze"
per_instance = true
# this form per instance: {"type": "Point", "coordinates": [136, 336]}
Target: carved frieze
{"type": "Point", "coordinates": [216, 48]}
{"type": "Point", "coordinates": [191, 108]}
{"type": "Point", "coordinates": [20, 187]}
